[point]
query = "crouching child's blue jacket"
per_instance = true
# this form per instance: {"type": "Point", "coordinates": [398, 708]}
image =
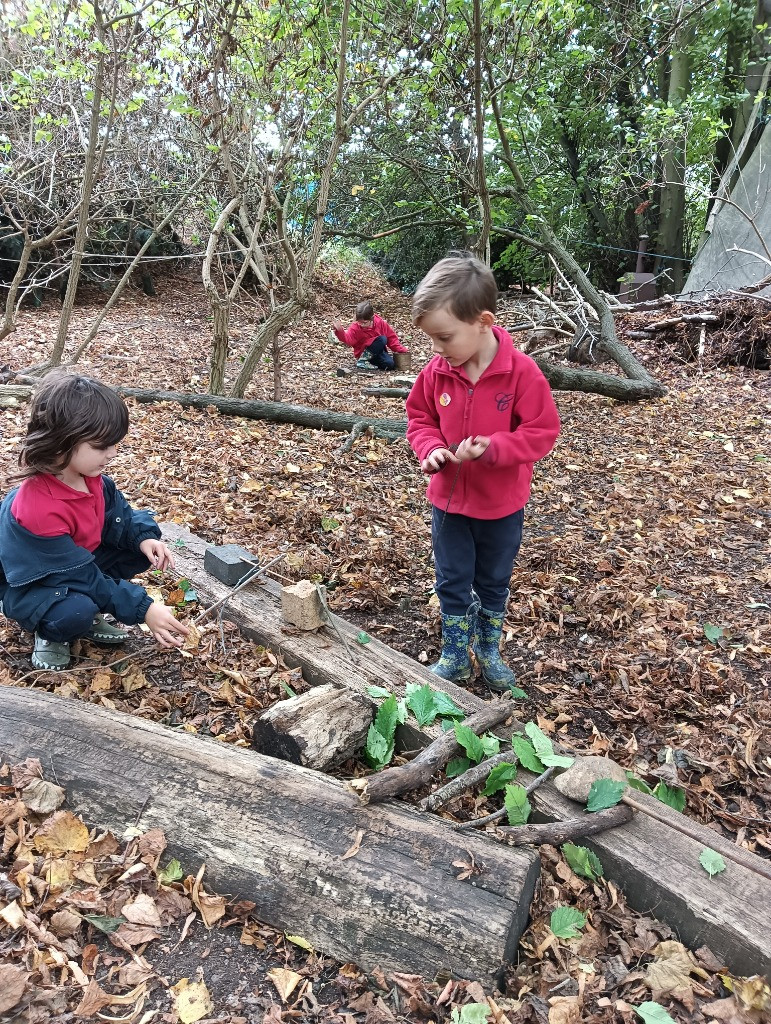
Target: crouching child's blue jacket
{"type": "Point", "coordinates": [36, 572]}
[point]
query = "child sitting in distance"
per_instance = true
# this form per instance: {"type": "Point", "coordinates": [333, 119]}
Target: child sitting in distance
{"type": "Point", "coordinates": [371, 338]}
{"type": "Point", "coordinates": [69, 540]}
{"type": "Point", "coordinates": [478, 416]}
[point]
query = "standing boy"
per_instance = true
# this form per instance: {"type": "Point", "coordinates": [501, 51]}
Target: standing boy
{"type": "Point", "coordinates": [479, 415]}
{"type": "Point", "coordinates": [371, 338]}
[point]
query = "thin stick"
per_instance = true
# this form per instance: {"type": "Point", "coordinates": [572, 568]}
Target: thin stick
{"type": "Point", "coordinates": [497, 815]}
{"type": "Point", "coordinates": [253, 573]}
{"type": "Point", "coordinates": [331, 620]}
{"type": "Point", "coordinates": [465, 781]}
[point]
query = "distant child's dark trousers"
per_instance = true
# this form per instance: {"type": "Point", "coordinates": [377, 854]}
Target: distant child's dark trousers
{"type": "Point", "coordinates": [378, 353]}
{"type": "Point", "coordinates": [474, 554]}
{"type": "Point", "coordinates": [70, 618]}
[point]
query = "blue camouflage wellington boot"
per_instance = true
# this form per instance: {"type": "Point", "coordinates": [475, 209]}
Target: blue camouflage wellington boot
{"type": "Point", "coordinates": [455, 663]}
{"type": "Point", "coordinates": [495, 672]}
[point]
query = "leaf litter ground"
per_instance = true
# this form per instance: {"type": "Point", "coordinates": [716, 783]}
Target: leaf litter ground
{"type": "Point", "coordinates": [638, 624]}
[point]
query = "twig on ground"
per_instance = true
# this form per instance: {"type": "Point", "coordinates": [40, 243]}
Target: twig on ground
{"type": "Point", "coordinates": [465, 781]}
{"type": "Point", "coordinates": [331, 620]}
{"type": "Point", "coordinates": [497, 815]}
{"type": "Point", "coordinates": [558, 832]}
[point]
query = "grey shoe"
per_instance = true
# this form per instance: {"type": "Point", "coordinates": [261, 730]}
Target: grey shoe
{"type": "Point", "coordinates": [103, 632]}
{"type": "Point", "coordinates": [50, 655]}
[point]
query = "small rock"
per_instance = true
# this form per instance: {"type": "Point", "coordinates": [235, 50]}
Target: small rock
{"type": "Point", "coordinates": [576, 782]}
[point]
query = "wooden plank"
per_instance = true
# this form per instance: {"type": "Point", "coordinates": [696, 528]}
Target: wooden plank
{"type": "Point", "coordinates": [654, 865]}
{"type": "Point", "coordinates": [659, 872]}
{"type": "Point", "coordinates": [275, 833]}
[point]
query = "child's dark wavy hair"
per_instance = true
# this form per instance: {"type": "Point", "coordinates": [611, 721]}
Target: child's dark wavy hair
{"type": "Point", "coordinates": [67, 410]}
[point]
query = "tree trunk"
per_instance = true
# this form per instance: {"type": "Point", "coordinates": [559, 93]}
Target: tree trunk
{"type": "Point", "coordinates": [282, 316]}
{"type": "Point", "coordinates": [378, 887]}
{"type": "Point", "coordinates": [672, 205]}
{"type": "Point", "coordinates": [276, 412]}
{"type": "Point", "coordinates": [218, 359]}
{"type": "Point", "coordinates": [319, 729]}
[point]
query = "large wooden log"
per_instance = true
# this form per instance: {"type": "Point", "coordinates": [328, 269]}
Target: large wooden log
{"type": "Point", "coordinates": [276, 833]}
{"type": "Point", "coordinates": [645, 857]}
{"type": "Point", "coordinates": [319, 729]}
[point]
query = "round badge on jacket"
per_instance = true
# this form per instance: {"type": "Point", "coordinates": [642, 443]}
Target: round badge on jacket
{"type": "Point", "coordinates": [444, 399]}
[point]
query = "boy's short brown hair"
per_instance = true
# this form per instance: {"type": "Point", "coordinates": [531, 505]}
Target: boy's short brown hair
{"type": "Point", "coordinates": [364, 310]}
{"type": "Point", "coordinates": [462, 284]}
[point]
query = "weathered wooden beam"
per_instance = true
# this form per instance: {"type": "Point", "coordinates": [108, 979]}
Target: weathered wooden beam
{"type": "Point", "coordinates": [277, 833]}
{"type": "Point", "coordinates": [645, 857]}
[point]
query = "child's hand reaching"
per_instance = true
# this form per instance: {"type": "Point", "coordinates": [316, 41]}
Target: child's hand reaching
{"type": "Point", "coordinates": [472, 448]}
{"type": "Point", "coordinates": [158, 554]}
{"type": "Point", "coordinates": [163, 625]}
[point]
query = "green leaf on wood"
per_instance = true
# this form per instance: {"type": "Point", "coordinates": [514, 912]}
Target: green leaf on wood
{"type": "Point", "coordinates": [604, 793]}
{"type": "Point", "coordinates": [421, 703]}
{"type": "Point", "coordinates": [445, 705]}
{"type": "Point", "coordinates": [544, 749]}
{"type": "Point", "coordinates": [471, 1013]}
{"type": "Point", "coordinates": [498, 777]}
{"type": "Point", "coordinates": [567, 922]}
{"type": "Point", "coordinates": [711, 861]}
{"type": "Point", "coordinates": [470, 742]}
{"type": "Point", "coordinates": [517, 805]}
{"type": "Point", "coordinates": [378, 691]}
{"type": "Point", "coordinates": [362, 637]}
{"type": "Point", "coordinates": [672, 796]}
{"type": "Point", "coordinates": [387, 718]}
{"type": "Point", "coordinates": [457, 766]}
{"type": "Point", "coordinates": [491, 744]}
{"type": "Point", "coordinates": [527, 756]}
{"type": "Point", "coordinates": [583, 861]}
{"type": "Point", "coordinates": [378, 751]}
{"type": "Point", "coordinates": [639, 784]}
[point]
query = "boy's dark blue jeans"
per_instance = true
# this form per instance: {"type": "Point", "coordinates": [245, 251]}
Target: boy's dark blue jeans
{"type": "Point", "coordinates": [378, 353]}
{"type": "Point", "coordinates": [70, 618]}
{"type": "Point", "coordinates": [474, 554]}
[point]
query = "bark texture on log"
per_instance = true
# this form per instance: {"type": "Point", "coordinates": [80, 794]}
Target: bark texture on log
{"type": "Point", "coordinates": [559, 832]}
{"type": "Point", "coordinates": [318, 729]}
{"type": "Point", "coordinates": [276, 833]}
{"type": "Point", "coordinates": [276, 412]}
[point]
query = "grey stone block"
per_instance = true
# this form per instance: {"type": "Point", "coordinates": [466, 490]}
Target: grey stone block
{"type": "Point", "coordinates": [228, 563]}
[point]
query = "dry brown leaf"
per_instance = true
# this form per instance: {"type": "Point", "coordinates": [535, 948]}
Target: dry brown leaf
{"type": "Point", "coordinates": [64, 923]}
{"type": "Point", "coordinates": [43, 797]}
{"type": "Point", "coordinates": [729, 1011]}
{"type": "Point", "coordinates": [142, 910]}
{"type": "Point", "coordinates": [565, 1010]}
{"type": "Point", "coordinates": [94, 999]}
{"type": "Point", "coordinates": [671, 969]}
{"type": "Point", "coordinates": [354, 849]}
{"type": "Point", "coordinates": [286, 981]}
{"type": "Point", "coordinates": [193, 638]}
{"type": "Point", "coordinates": [13, 984]}
{"type": "Point", "coordinates": [212, 908]}
{"type": "Point", "coordinates": [63, 832]}
{"type": "Point", "coordinates": [26, 772]}
{"type": "Point", "coordinates": [13, 915]}
{"type": "Point", "coordinates": [135, 934]}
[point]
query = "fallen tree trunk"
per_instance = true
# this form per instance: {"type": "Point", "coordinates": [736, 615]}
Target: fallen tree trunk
{"type": "Point", "coordinates": [277, 834]}
{"type": "Point", "coordinates": [276, 412]}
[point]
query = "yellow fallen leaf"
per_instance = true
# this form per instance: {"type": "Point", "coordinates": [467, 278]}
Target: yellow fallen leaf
{"type": "Point", "coordinates": [727, 499]}
{"type": "Point", "coordinates": [298, 940]}
{"type": "Point", "coordinates": [286, 981]}
{"type": "Point", "coordinates": [134, 679]}
{"type": "Point", "coordinates": [291, 468]}
{"type": "Point", "coordinates": [59, 873]}
{"type": "Point", "coordinates": [192, 1002]}
{"type": "Point", "coordinates": [61, 833]}
{"type": "Point", "coordinates": [251, 485]}
{"type": "Point", "coordinates": [742, 492]}
{"type": "Point", "coordinates": [156, 594]}
{"type": "Point", "coordinates": [193, 639]}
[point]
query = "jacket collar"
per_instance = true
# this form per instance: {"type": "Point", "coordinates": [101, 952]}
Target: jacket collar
{"type": "Point", "coordinates": [503, 360]}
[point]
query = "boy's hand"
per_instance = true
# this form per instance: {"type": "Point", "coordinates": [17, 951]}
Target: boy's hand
{"type": "Point", "coordinates": [338, 325]}
{"type": "Point", "coordinates": [472, 448]}
{"type": "Point", "coordinates": [164, 627]}
{"type": "Point", "coordinates": [437, 460]}
{"type": "Point", "coordinates": [159, 555]}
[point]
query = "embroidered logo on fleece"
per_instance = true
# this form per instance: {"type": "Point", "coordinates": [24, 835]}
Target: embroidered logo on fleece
{"type": "Point", "coordinates": [503, 400]}
{"type": "Point", "coordinates": [444, 399]}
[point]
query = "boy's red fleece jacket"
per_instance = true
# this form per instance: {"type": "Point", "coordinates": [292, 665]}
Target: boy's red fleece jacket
{"type": "Point", "coordinates": [359, 337]}
{"type": "Point", "coordinates": [511, 403]}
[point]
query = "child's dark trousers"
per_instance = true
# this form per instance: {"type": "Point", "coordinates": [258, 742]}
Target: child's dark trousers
{"type": "Point", "coordinates": [70, 618]}
{"type": "Point", "coordinates": [474, 554]}
{"type": "Point", "coordinates": [378, 353]}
